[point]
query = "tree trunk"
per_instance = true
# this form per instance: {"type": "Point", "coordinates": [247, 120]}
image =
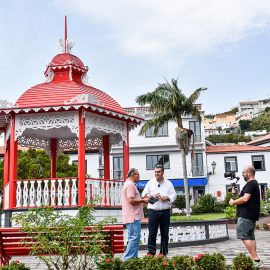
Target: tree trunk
{"type": "Point", "coordinates": [184, 163]}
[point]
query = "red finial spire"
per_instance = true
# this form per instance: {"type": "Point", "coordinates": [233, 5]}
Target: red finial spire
{"type": "Point", "coordinates": [65, 37]}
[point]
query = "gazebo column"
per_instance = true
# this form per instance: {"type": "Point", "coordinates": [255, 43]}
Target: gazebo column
{"type": "Point", "coordinates": [6, 170]}
{"type": "Point", "coordinates": [106, 156]}
{"type": "Point", "coordinates": [126, 155]}
{"type": "Point", "coordinates": [13, 164]}
{"type": "Point", "coordinates": [81, 159]}
{"type": "Point", "coordinates": [53, 157]}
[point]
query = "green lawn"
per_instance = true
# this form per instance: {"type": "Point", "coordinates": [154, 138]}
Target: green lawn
{"type": "Point", "coordinates": [210, 216]}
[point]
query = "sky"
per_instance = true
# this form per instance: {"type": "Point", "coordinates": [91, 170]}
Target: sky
{"type": "Point", "coordinates": [132, 45]}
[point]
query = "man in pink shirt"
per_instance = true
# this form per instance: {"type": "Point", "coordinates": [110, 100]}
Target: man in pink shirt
{"type": "Point", "coordinates": [132, 207]}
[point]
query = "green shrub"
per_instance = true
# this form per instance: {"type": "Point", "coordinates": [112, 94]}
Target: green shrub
{"type": "Point", "coordinates": [268, 194]}
{"type": "Point", "coordinates": [242, 262]}
{"type": "Point", "coordinates": [230, 212]}
{"type": "Point", "coordinates": [210, 262]}
{"type": "Point", "coordinates": [205, 204]}
{"type": "Point", "coordinates": [219, 207]}
{"type": "Point", "coordinates": [15, 265]}
{"type": "Point", "coordinates": [182, 262]}
{"type": "Point", "coordinates": [229, 196]}
{"type": "Point", "coordinates": [265, 209]}
{"type": "Point", "coordinates": [109, 263]}
{"type": "Point", "coordinates": [132, 264]}
{"type": "Point", "coordinates": [180, 202]}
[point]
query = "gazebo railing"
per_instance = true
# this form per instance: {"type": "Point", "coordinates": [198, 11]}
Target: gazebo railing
{"type": "Point", "coordinates": [105, 193]}
{"type": "Point", "coordinates": [63, 192]}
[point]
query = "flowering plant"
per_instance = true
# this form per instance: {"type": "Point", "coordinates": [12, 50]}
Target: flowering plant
{"type": "Point", "coordinates": [15, 265]}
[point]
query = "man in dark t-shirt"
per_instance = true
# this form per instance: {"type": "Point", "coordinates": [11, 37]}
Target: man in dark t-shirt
{"type": "Point", "coordinates": [248, 212]}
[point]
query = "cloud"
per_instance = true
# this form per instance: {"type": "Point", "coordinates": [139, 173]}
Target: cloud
{"type": "Point", "coordinates": [150, 27]}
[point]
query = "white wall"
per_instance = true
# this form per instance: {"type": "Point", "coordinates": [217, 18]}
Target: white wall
{"type": "Point", "coordinates": [218, 182]}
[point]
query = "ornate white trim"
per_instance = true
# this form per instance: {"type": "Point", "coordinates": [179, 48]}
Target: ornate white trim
{"type": "Point", "coordinates": [46, 121]}
{"type": "Point", "coordinates": [35, 143]}
{"type": "Point", "coordinates": [106, 124]}
{"type": "Point", "coordinates": [84, 98]}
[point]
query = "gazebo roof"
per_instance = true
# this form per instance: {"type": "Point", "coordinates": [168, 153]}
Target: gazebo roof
{"type": "Point", "coordinates": [65, 85]}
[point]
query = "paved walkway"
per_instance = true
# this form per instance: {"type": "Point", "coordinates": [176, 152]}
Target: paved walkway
{"type": "Point", "coordinates": [229, 249]}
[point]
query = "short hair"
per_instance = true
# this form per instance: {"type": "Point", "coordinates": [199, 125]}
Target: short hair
{"type": "Point", "coordinates": [131, 172]}
{"type": "Point", "coordinates": [159, 166]}
{"type": "Point", "coordinates": [251, 169]}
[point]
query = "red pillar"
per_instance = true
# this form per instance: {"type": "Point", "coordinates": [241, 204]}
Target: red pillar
{"type": "Point", "coordinates": [13, 164]}
{"type": "Point", "coordinates": [81, 159]}
{"type": "Point", "coordinates": [126, 154]}
{"type": "Point", "coordinates": [53, 157]}
{"type": "Point", "coordinates": [106, 156]}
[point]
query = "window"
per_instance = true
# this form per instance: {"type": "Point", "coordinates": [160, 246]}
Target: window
{"type": "Point", "coordinates": [162, 132]}
{"type": "Point", "coordinates": [197, 165]}
{"type": "Point", "coordinates": [153, 160]}
{"type": "Point", "coordinates": [258, 163]}
{"type": "Point", "coordinates": [118, 172]}
{"type": "Point", "coordinates": [231, 164]}
{"type": "Point", "coordinates": [195, 126]}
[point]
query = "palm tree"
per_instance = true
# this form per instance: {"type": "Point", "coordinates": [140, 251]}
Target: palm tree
{"type": "Point", "coordinates": [167, 102]}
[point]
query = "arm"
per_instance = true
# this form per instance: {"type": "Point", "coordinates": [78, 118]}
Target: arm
{"type": "Point", "coordinates": [241, 200]}
{"type": "Point", "coordinates": [137, 201]}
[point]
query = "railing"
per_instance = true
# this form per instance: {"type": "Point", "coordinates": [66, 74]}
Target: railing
{"type": "Point", "coordinates": [188, 233]}
{"type": "Point", "coordinates": [105, 193]}
{"type": "Point", "coordinates": [63, 192]}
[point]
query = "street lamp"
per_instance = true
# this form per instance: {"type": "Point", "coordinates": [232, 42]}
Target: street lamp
{"type": "Point", "coordinates": [213, 164]}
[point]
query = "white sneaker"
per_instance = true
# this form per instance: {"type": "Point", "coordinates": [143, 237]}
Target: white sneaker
{"type": "Point", "coordinates": [258, 265]}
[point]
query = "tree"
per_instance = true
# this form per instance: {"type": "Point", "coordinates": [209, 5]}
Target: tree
{"type": "Point", "coordinates": [228, 138]}
{"type": "Point", "coordinates": [261, 122]}
{"type": "Point", "coordinates": [244, 125]}
{"type": "Point", "coordinates": [168, 102]}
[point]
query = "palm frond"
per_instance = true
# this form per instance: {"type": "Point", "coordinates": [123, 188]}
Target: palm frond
{"type": "Point", "coordinates": [156, 122]}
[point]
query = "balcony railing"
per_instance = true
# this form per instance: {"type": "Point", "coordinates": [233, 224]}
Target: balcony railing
{"type": "Point", "coordinates": [63, 192]}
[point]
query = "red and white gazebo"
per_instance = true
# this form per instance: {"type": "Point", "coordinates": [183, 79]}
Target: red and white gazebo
{"type": "Point", "coordinates": [63, 113]}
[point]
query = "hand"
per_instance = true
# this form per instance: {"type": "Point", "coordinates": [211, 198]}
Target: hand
{"type": "Point", "coordinates": [164, 198]}
{"type": "Point", "coordinates": [145, 199]}
{"type": "Point", "coordinates": [231, 202]}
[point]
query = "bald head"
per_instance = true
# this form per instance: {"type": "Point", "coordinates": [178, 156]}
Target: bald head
{"type": "Point", "coordinates": [248, 173]}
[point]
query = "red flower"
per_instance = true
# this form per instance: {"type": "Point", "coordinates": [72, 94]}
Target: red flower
{"type": "Point", "coordinates": [199, 256]}
{"type": "Point", "coordinates": [107, 260]}
{"type": "Point", "coordinates": [164, 263]}
{"type": "Point", "coordinates": [173, 264]}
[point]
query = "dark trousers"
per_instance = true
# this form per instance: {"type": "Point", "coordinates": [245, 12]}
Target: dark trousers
{"type": "Point", "coordinates": [159, 218]}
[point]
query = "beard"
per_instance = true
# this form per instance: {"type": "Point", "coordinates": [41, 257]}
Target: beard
{"type": "Point", "coordinates": [246, 179]}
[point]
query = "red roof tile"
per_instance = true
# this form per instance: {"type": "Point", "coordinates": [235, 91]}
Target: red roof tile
{"type": "Point", "coordinates": [235, 148]}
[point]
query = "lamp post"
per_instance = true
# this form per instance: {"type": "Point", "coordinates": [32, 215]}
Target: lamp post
{"type": "Point", "coordinates": [213, 164]}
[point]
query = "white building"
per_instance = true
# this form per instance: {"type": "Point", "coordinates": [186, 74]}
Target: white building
{"type": "Point", "coordinates": [148, 150]}
{"type": "Point", "coordinates": [235, 158]}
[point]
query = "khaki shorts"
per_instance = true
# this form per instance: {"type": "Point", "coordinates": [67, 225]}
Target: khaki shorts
{"type": "Point", "coordinates": [245, 229]}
